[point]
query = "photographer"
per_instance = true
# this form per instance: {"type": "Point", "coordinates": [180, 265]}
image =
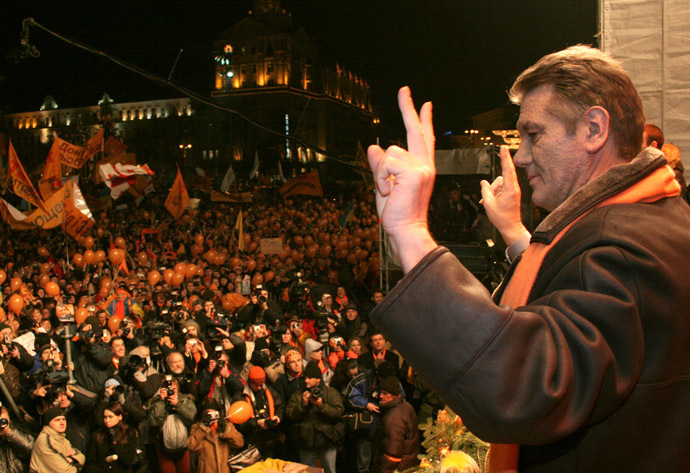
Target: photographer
{"type": "Point", "coordinates": [92, 357]}
{"type": "Point", "coordinates": [139, 373]}
{"type": "Point", "coordinates": [175, 366]}
{"type": "Point", "coordinates": [195, 355]}
{"type": "Point", "coordinates": [263, 428]}
{"type": "Point", "coordinates": [214, 438]}
{"type": "Point", "coordinates": [12, 351]}
{"type": "Point", "coordinates": [15, 445]}
{"type": "Point", "coordinates": [218, 383]}
{"type": "Point", "coordinates": [260, 310]}
{"type": "Point", "coordinates": [126, 396]}
{"type": "Point", "coordinates": [169, 402]}
{"type": "Point", "coordinates": [316, 412]}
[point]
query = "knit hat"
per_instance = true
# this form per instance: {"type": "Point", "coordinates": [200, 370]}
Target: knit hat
{"type": "Point", "coordinates": [3, 326]}
{"type": "Point", "coordinates": [257, 375]}
{"type": "Point", "coordinates": [51, 414]}
{"type": "Point", "coordinates": [350, 306]}
{"type": "Point", "coordinates": [312, 370]}
{"type": "Point", "coordinates": [390, 385]}
{"type": "Point", "coordinates": [292, 354]}
{"type": "Point", "coordinates": [191, 323]}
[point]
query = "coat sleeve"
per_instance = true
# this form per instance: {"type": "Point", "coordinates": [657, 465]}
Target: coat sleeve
{"type": "Point", "coordinates": [196, 438]}
{"type": "Point", "coordinates": [233, 436]}
{"type": "Point", "coordinates": [531, 374]}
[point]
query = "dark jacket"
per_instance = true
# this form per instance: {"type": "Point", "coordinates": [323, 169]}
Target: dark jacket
{"type": "Point", "coordinates": [397, 437]}
{"type": "Point", "coordinates": [15, 451]}
{"type": "Point", "coordinates": [104, 444]}
{"type": "Point", "coordinates": [593, 373]}
{"type": "Point", "coordinates": [317, 426]}
{"type": "Point", "coordinates": [92, 365]}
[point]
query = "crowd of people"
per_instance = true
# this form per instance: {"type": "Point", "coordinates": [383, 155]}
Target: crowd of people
{"type": "Point", "coordinates": [159, 345]}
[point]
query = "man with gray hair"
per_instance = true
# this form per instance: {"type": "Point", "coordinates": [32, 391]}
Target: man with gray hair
{"type": "Point", "coordinates": [580, 363]}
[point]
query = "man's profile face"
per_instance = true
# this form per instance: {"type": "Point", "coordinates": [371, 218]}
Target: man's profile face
{"type": "Point", "coordinates": [554, 160]}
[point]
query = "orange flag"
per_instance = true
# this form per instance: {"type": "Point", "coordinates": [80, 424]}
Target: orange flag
{"type": "Point", "coordinates": [307, 184]}
{"type": "Point", "coordinates": [21, 184]}
{"type": "Point", "coordinates": [113, 146]}
{"type": "Point", "coordinates": [51, 179]}
{"type": "Point", "coordinates": [75, 156]}
{"type": "Point", "coordinates": [178, 199]}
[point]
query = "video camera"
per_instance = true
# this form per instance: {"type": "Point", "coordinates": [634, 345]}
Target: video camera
{"type": "Point", "coordinates": [158, 330]}
{"type": "Point", "coordinates": [55, 382]}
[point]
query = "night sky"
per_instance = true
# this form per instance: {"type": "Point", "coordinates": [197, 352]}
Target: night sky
{"type": "Point", "coordinates": [461, 54]}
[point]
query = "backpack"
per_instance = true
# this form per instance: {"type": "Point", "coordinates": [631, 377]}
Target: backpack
{"type": "Point", "coordinates": [174, 433]}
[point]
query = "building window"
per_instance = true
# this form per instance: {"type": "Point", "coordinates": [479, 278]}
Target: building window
{"type": "Point", "coordinates": [269, 67]}
{"type": "Point", "coordinates": [254, 68]}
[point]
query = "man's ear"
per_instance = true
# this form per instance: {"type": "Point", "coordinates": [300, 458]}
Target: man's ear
{"type": "Point", "coordinates": [597, 120]}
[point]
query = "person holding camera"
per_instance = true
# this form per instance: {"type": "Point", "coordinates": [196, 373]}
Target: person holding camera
{"type": "Point", "coordinates": [214, 439]}
{"type": "Point", "coordinates": [171, 414]}
{"type": "Point", "coordinates": [92, 357]}
{"type": "Point", "coordinates": [262, 429]}
{"type": "Point", "coordinates": [139, 373]}
{"type": "Point", "coordinates": [260, 310]}
{"type": "Point", "coordinates": [217, 381]}
{"type": "Point", "coordinates": [316, 412]}
{"type": "Point", "coordinates": [175, 365]}
{"type": "Point", "coordinates": [115, 447]}
{"type": "Point", "coordinates": [15, 445]}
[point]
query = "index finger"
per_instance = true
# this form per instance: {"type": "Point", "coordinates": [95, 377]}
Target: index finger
{"type": "Point", "coordinates": [508, 168]}
{"type": "Point", "coordinates": [416, 134]}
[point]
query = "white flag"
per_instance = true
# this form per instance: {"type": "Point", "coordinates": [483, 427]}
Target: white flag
{"type": "Point", "coordinates": [255, 168]}
{"type": "Point", "coordinates": [120, 176]}
{"type": "Point", "coordinates": [228, 179]}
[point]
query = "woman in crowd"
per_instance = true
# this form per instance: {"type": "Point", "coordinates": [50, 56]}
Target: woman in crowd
{"type": "Point", "coordinates": [116, 446]}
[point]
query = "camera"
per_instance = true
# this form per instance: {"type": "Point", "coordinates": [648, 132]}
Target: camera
{"type": "Point", "coordinates": [315, 393]}
{"type": "Point", "coordinates": [55, 383]}
{"type": "Point", "coordinates": [159, 330]}
{"type": "Point", "coordinates": [88, 335]}
{"type": "Point", "coordinates": [257, 292]}
{"type": "Point", "coordinates": [4, 423]}
{"type": "Point", "coordinates": [210, 417]}
{"type": "Point", "coordinates": [9, 343]}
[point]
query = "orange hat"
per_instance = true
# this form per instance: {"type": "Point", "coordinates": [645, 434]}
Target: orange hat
{"type": "Point", "coordinates": [257, 375]}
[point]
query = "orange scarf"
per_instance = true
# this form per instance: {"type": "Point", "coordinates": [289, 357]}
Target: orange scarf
{"type": "Point", "coordinates": [503, 458]}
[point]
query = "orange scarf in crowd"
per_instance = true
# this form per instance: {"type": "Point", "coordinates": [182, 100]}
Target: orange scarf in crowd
{"type": "Point", "coordinates": [503, 458]}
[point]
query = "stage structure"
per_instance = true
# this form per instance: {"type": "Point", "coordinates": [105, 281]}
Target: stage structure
{"type": "Point", "coordinates": [652, 38]}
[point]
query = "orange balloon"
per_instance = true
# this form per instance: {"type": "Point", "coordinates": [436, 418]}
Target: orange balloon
{"type": "Point", "coordinates": [269, 275]}
{"type": "Point", "coordinates": [228, 305]}
{"type": "Point", "coordinates": [120, 243]}
{"type": "Point", "coordinates": [199, 239]}
{"type": "Point", "coordinates": [115, 256]}
{"type": "Point", "coordinates": [52, 289]}
{"type": "Point", "coordinates": [176, 279]}
{"type": "Point", "coordinates": [240, 412]}
{"type": "Point", "coordinates": [257, 279]}
{"type": "Point", "coordinates": [16, 304]}
{"type": "Point", "coordinates": [114, 323]}
{"type": "Point", "coordinates": [100, 256]}
{"type": "Point", "coordinates": [199, 271]}
{"type": "Point", "coordinates": [210, 255]}
{"type": "Point", "coordinates": [43, 251]}
{"type": "Point", "coordinates": [326, 250]}
{"type": "Point", "coordinates": [104, 292]}
{"type": "Point", "coordinates": [3, 276]}
{"type": "Point", "coordinates": [308, 240]}
{"type": "Point", "coordinates": [180, 268]}
{"type": "Point", "coordinates": [190, 271]}
{"type": "Point", "coordinates": [142, 257]}
{"type": "Point", "coordinates": [252, 246]}
{"type": "Point", "coordinates": [45, 279]}
{"type": "Point", "coordinates": [2, 315]}
{"type": "Point", "coordinates": [88, 241]}
{"type": "Point", "coordinates": [196, 249]}
{"type": "Point", "coordinates": [78, 259]}
{"type": "Point", "coordinates": [299, 241]}
{"type": "Point", "coordinates": [167, 275]}
{"type": "Point", "coordinates": [106, 282]}
{"type": "Point", "coordinates": [15, 284]}
{"type": "Point", "coordinates": [80, 315]}
{"type": "Point", "coordinates": [235, 262]}
{"type": "Point", "coordinates": [154, 276]}
{"type": "Point", "coordinates": [89, 256]}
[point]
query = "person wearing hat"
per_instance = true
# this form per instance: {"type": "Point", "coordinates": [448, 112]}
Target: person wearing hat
{"type": "Point", "coordinates": [397, 434]}
{"type": "Point", "coordinates": [268, 410]}
{"type": "Point", "coordinates": [352, 324]}
{"type": "Point", "coordinates": [316, 412]}
{"type": "Point", "coordinates": [314, 351]}
{"type": "Point", "coordinates": [214, 439]}
{"type": "Point", "coordinates": [52, 451]}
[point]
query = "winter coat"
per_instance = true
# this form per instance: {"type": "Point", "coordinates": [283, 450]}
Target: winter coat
{"type": "Point", "coordinates": [158, 413]}
{"type": "Point", "coordinates": [50, 453]}
{"type": "Point", "coordinates": [317, 426]}
{"type": "Point", "coordinates": [15, 451]}
{"type": "Point", "coordinates": [104, 445]}
{"type": "Point", "coordinates": [214, 449]}
{"type": "Point", "coordinates": [397, 437]}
